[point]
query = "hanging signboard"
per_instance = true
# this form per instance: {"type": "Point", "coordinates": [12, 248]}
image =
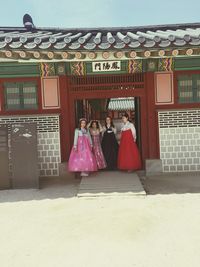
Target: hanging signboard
{"type": "Point", "coordinates": [106, 66]}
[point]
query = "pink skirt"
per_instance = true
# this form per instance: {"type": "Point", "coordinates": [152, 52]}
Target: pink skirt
{"type": "Point", "coordinates": [82, 159]}
{"type": "Point", "coordinates": [101, 163]}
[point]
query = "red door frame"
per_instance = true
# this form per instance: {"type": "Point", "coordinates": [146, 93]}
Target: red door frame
{"type": "Point", "coordinates": [149, 116]}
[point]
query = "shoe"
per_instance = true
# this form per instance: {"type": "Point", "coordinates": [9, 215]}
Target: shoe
{"type": "Point", "coordinates": [84, 174]}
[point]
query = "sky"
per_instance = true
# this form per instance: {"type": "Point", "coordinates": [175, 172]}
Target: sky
{"type": "Point", "coordinates": [101, 13]}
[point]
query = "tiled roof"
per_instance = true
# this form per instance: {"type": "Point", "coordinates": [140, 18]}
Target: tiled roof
{"type": "Point", "coordinates": [121, 104]}
{"type": "Point", "coordinates": [159, 36]}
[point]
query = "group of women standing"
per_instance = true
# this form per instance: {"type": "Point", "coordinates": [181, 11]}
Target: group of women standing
{"type": "Point", "coordinates": [96, 147]}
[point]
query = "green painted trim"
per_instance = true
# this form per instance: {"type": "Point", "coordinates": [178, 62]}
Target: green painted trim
{"type": "Point", "coordinates": [60, 68]}
{"type": "Point", "coordinates": [17, 69]}
{"type": "Point", "coordinates": [197, 68]}
{"type": "Point", "coordinates": [67, 67]}
{"type": "Point", "coordinates": [187, 63]}
{"type": "Point", "coordinates": [9, 70]}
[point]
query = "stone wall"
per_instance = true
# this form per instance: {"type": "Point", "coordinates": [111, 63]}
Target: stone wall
{"type": "Point", "coordinates": [179, 135]}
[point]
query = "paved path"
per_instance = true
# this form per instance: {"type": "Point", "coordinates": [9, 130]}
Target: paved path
{"type": "Point", "coordinates": [52, 227]}
{"type": "Point", "coordinates": [113, 183]}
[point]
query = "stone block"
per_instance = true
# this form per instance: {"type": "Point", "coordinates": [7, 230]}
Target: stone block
{"type": "Point", "coordinates": [186, 167]}
{"type": "Point", "coordinates": [170, 149]}
{"type": "Point", "coordinates": [166, 168]}
{"type": "Point", "coordinates": [180, 168]}
{"type": "Point", "coordinates": [173, 168]}
{"type": "Point", "coordinates": [193, 167]}
{"type": "Point", "coordinates": [176, 161]}
{"type": "Point", "coordinates": [196, 160]}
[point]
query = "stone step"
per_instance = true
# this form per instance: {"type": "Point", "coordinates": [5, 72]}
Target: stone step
{"type": "Point", "coordinates": [111, 183]}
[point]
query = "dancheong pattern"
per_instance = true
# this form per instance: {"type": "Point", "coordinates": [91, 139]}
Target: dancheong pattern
{"type": "Point", "coordinates": [134, 66]}
{"type": "Point", "coordinates": [166, 64]}
{"type": "Point", "coordinates": [47, 69]}
{"type": "Point", "coordinates": [78, 68]}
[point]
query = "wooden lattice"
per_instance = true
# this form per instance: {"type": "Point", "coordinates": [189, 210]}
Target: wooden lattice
{"type": "Point", "coordinates": [106, 82]}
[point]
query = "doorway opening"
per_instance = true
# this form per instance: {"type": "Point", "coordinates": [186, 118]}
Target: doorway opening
{"type": "Point", "coordinates": [91, 96]}
{"type": "Point", "coordinates": [99, 108]}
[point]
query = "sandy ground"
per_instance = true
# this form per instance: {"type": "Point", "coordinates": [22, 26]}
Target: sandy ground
{"type": "Point", "coordinates": [53, 228]}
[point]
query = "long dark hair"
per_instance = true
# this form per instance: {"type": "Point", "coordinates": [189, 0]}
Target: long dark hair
{"type": "Point", "coordinates": [94, 121]}
{"type": "Point", "coordinates": [125, 114]}
{"type": "Point", "coordinates": [79, 123]}
{"type": "Point", "coordinates": [111, 122]}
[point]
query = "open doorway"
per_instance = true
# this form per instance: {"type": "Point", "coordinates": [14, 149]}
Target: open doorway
{"type": "Point", "coordinates": [98, 109]}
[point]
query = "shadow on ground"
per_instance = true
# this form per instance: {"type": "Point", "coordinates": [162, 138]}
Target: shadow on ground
{"type": "Point", "coordinates": [172, 183]}
{"type": "Point", "coordinates": [50, 188]}
{"type": "Point", "coordinates": [67, 186]}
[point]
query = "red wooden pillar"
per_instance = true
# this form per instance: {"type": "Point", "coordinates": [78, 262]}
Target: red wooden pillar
{"type": "Point", "coordinates": [144, 130]}
{"type": "Point", "coordinates": [64, 118]}
{"type": "Point", "coordinates": [1, 97]}
{"type": "Point", "coordinates": [152, 120]}
{"type": "Point", "coordinates": [72, 118]}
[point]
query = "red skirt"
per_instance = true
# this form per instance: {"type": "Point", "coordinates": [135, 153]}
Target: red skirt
{"type": "Point", "coordinates": [129, 155]}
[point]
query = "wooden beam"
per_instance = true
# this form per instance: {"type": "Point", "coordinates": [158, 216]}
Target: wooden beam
{"type": "Point", "coordinates": [119, 54]}
{"type": "Point", "coordinates": [131, 54]}
{"type": "Point", "coordinates": [92, 55]}
{"type": "Point", "coordinates": [66, 55]}
{"type": "Point", "coordinates": [79, 55]}
{"type": "Point", "coordinates": [105, 54]}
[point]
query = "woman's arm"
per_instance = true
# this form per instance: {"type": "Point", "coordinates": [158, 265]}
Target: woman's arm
{"type": "Point", "coordinates": [132, 127]}
{"type": "Point", "coordinates": [100, 127]}
{"type": "Point", "coordinates": [114, 130]}
{"type": "Point", "coordinates": [75, 138]}
{"type": "Point", "coordinates": [88, 125]}
{"type": "Point", "coordinates": [103, 130]}
{"type": "Point", "coordinates": [90, 138]}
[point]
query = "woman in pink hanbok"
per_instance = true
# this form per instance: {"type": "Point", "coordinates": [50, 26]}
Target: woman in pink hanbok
{"type": "Point", "coordinates": [95, 131]}
{"type": "Point", "coordinates": [82, 158]}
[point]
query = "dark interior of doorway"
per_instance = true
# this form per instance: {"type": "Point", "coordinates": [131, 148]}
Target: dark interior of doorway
{"type": "Point", "coordinates": [98, 109]}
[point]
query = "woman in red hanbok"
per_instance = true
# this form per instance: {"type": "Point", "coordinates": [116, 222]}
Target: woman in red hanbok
{"type": "Point", "coordinates": [129, 155]}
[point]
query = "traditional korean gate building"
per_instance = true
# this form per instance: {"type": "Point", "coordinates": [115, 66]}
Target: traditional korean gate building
{"type": "Point", "coordinates": [44, 72]}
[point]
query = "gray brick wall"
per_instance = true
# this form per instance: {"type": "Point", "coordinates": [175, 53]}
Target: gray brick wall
{"type": "Point", "coordinates": [179, 134]}
{"type": "Point", "coordinates": [48, 134]}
